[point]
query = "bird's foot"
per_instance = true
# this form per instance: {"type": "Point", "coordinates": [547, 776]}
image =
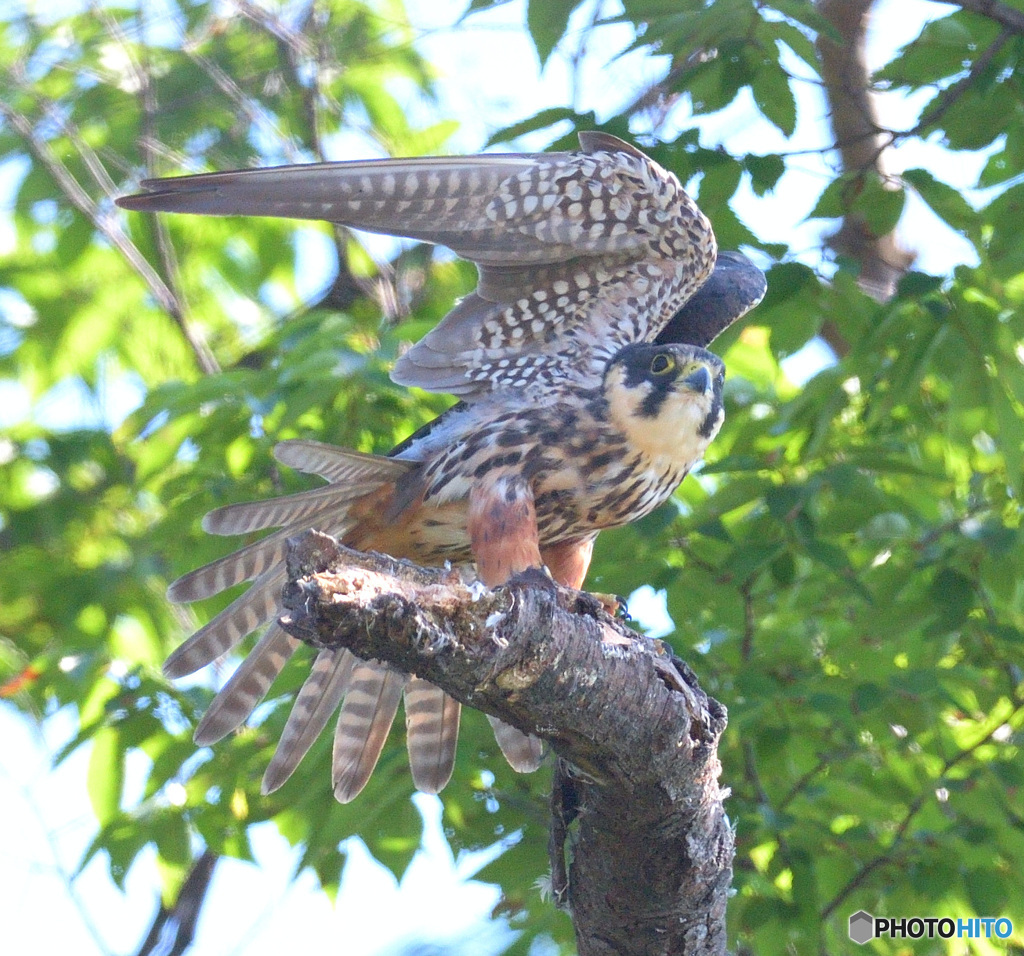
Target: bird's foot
{"type": "Point", "coordinates": [614, 604]}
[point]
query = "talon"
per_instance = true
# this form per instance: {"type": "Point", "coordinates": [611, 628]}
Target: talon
{"type": "Point", "coordinates": [613, 604]}
{"type": "Point", "coordinates": [622, 609]}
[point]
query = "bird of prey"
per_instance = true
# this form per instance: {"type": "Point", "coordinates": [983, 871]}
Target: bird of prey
{"type": "Point", "coordinates": [587, 396]}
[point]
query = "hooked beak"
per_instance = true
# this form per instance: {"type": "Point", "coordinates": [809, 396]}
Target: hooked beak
{"type": "Point", "coordinates": [699, 381]}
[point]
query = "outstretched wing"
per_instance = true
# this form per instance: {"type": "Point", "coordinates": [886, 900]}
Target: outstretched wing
{"type": "Point", "coordinates": [578, 253]}
{"type": "Point", "coordinates": [729, 293]}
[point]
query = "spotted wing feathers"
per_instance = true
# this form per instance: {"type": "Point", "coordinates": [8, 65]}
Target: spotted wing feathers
{"type": "Point", "coordinates": [579, 253]}
{"type": "Point", "coordinates": [627, 248]}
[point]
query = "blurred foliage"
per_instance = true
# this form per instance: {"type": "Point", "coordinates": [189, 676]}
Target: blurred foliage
{"type": "Point", "coordinates": [846, 575]}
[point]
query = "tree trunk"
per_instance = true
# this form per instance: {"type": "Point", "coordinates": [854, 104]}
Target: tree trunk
{"type": "Point", "coordinates": [650, 853]}
{"type": "Point", "coordinates": [861, 140]}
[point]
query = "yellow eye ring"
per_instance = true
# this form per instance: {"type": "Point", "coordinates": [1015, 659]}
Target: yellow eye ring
{"type": "Point", "coordinates": [662, 364]}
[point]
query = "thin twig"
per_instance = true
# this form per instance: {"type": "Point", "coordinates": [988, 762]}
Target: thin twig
{"type": "Point", "coordinates": [809, 775]}
{"type": "Point", "coordinates": [901, 831]}
{"type": "Point", "coordinates": [109, 227]}
{"type": "Point", "coordinates": [143, 80]}
{"type": "Point", "coordinates": [749, 621]}
{"type": "Point", "coordinates": [1009, 17]}
{"type": "Point", "coordinates": [953, 93]}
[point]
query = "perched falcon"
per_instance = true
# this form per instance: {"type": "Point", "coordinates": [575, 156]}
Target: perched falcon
{"type": "Point", "coordinates": [587, 396]}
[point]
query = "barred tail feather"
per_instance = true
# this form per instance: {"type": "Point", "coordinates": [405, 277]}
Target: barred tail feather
{"type": "Point", "coordinates": [432, 731]}
{"type": "Point", "coordinates": [232, 569]}
{"type": "Point", "coordinates": [248, 685]}
{"type": "Point", "coordinates": [315, 705]}
{"type": "Point", "coordinates": [363, 726]}
{"type": "Point", "coordinates": [523, 752]}
{"type": "Point", "coordinates": [341, 466]}
{"type": "Point", "coordinates": [277, 512]}
{"type": "Point", "coordinates": [240, 618]}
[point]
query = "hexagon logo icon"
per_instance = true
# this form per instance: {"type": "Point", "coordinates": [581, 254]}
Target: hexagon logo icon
{"type": "Point", "coordinates": [862, 927]}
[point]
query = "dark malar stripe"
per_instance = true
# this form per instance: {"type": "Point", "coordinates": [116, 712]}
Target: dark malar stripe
{"type": "Point", "coordinates": [653, 401]}
{"type": "Point", "coordinates": [708, 425]}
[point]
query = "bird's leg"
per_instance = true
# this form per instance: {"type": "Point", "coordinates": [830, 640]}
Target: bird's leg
{"type": "Point", "coordinates": [568, 563]}
{"type": "Point", "coordinates": [502, 525]}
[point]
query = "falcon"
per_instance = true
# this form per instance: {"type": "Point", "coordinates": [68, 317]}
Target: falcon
{"type": "Point", "coordinates": [586, 397]}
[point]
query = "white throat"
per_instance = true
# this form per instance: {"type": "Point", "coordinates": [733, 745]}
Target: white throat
{"type": "Point", "coordinates": [672, 438]}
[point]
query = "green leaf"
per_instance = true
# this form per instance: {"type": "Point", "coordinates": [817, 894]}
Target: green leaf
{"type": "Point", "coordinates": [774, 97]}
{"type": "Point", "coordinates": [542, 120]}
{"type": "Point", "coordinates": [784, 570]}
{"type": "Point", "coordinates": [747, 560]}
{"type": "Point", "coordinates": [547, 21]}
{"type": "Point", "coordinates": [832, 203]}
{"type": "Point", "coordinates": [946, 202]}
{"type": "Point", "coordinates": [765, 171]}
{"type": "Point", "coordinates": [105, 775]}
{"type": "Point", "coordinates": [916, 285]}
{"type": "Point", "coordinates": [867, 697]}
{"type": "Point", "coordinates": [1004, 215]}
{"type": "Point", "coordinates": [988, 891]}
{"type": "Point", "coordinates": [953, 593]}
{"type": "Point", "coordinates": [876, 202]}
{"type": "Point", "coordinates": [1011, 435]}
{"type": "Point", "coordinates": [880, 205]}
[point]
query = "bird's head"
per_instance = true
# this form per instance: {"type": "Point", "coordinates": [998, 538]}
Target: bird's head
{"type": "Point", "coordinates": [666, 399]}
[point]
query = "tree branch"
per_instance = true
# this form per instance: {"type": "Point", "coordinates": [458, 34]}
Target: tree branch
{"type": "Point", "coordinates": [303, 54]}
{"type": "Point", "coordinates": [174, 928]}
{"type": "Point", "coordinates": [954, 92]}
{"type": "Point", "coordinates": [108, 227]}
{"type": "Point", "coordinates": [861, 141]}
{"type": "Point", "coordinates": [1009, 17]}
{"type": "Point", "coordinates": [651, 850]}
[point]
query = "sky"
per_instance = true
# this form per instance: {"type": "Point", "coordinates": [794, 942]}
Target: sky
{"type": "Point", "coordinates": [490, 78]}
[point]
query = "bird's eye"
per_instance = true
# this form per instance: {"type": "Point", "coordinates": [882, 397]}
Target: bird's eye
{"type": "Point", "coordinates": [662, 363]}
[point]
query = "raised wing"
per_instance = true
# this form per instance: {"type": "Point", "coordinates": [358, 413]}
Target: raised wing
{"type": "Point", "coordinates": [729, 293]}
{"type": "Point", "coordinates": [578, 253]}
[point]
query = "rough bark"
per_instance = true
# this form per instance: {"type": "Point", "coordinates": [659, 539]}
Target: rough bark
{"type": "Point", "coordinates": [861, 140]}
{"type": "Point", "coordinates": [639, 834]}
